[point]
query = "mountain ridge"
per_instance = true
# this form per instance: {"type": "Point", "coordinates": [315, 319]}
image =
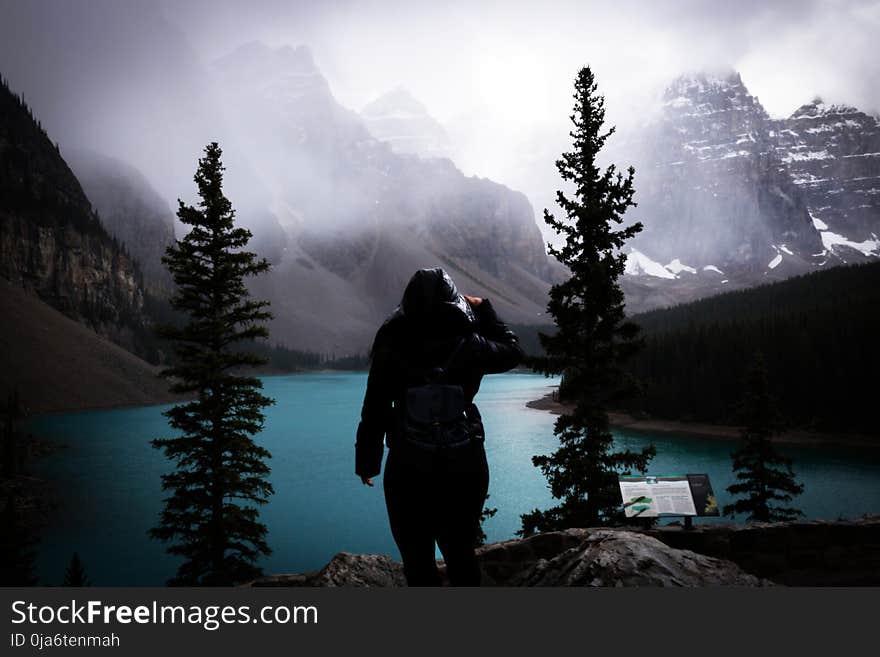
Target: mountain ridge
{"type": "Point", "coordinates": [130, 209]}
{"type": "Point", "coordinates": [398, 118]}
{"type": "Point", "coordinates": [52, 241]}
{"type": "Point", "coordinates": [360, 218]}
{"type": "Point", "coordinates": [725, 189]}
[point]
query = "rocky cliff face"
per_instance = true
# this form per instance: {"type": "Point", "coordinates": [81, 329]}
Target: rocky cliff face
{"type": "Point", "coordinates": [51, 242]}
{"type": "Point", "coordinates": [832, 153]}
{"type": "Point", "coordinates": [713, 190]}
{"type": "Point", "coordinates": [731, 198]}
{"type": "Point", "coordinates": [131, 210]}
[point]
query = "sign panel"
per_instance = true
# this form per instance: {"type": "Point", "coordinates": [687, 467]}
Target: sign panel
{"type": "Point", "coordinates": [653, 496]}
{"type": "Point", "coordinates": [704, 496]}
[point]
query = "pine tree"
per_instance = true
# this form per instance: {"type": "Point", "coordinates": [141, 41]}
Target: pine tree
{"type": "Point", "coordinates": [592, 337]}
{"type": "Point", "coordinates": [485, 514]}
{"type": "Point", "coordinates": [211, 517]}
{"type": "Point", "coordinates": [76, 573]}
{"type": "Point", "coordinates": [765, 476]}
{"type": "Point", "coordinates": [16, 548]}
{"type": "Point", "coordinates": [10, 450]}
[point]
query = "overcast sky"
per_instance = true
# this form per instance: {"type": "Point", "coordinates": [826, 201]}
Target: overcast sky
{"type": "Point", "coordinates": [518, 58]}
{"type": "Point", "coordinates": [499, 73]}
{"type": "Point", "coordinates": [503, 68]}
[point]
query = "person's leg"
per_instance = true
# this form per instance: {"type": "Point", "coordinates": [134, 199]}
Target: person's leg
{"type": "Point", "coordinates": [459, 520]}
{"type": "Point", "coordinates": [409, 516]}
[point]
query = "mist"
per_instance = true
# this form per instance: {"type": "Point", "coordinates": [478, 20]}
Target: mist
{"type": "Point", "coordinates": [139, 80]}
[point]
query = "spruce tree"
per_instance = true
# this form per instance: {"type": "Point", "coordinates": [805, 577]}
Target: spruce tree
{"type": "Point", "coordinates": [10, 448]}
{"type": "Point", "coordinates": [211, 517]}
{"type": "Point", "coordinates": [765, 477]}
{"type": "Point", "coordinates": [16, 548]}
{"type": "Point", "coordinates": [76, 573]}
{"type": "Point", "coordinates": [592, 338]}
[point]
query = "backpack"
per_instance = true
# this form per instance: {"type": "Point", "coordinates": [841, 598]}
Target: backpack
{"type": "Point", "coordinates": [436, 416]}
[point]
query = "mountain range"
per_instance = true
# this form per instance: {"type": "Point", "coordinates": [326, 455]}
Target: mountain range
{"type": "Point", "coordinates": [731, 197]}
{"type": "Point", "coordinates": [359, 217]}
{"type": "Point", "coordinates": [347, 205]}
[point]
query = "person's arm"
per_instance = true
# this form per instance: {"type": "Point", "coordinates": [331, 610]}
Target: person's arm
{"type": "Point", "coordinates": [375, 414]}
{"type": "Point", "coordinates": [494, 348]}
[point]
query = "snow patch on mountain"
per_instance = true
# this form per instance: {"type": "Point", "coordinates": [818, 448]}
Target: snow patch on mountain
{"type": "Point", "coordinates": [832, 242]}
{"type": "Point", "coordinates": [638, 264]}
{"type": "Point", "coordinates": [677, 266]}
{"type": "Point", "coordinates": [818, 223]}
{"type": "Point", "coordinates": [805, 156]}
{"type": "Point", "coordinates": [819, 109]}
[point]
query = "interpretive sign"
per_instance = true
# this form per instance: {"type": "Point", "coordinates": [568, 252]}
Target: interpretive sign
{"type": "Point", "coordinates": [679, 495]}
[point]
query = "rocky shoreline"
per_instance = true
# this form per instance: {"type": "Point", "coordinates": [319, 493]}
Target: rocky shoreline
{"type": "Point", "coordinates": [705, 430]}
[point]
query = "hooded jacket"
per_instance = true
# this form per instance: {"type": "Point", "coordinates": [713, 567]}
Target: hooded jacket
{"type": "Point", "coordinates": [433, 327]}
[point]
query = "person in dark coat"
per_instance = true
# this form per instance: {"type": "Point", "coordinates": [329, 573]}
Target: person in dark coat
{"type": "Point", "coordinates": [432, 493]}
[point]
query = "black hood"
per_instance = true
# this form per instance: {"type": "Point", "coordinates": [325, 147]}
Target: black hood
{"type": "Point", "coordinates": [431, 298]}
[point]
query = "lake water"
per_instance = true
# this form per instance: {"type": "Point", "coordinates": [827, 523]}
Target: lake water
{"type": "Point", "coordinates": [108, 477]}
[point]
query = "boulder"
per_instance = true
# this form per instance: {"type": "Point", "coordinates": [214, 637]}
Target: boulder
{"type": "Point", "coordinates": [344, 569]}
{"type": "Point", "coordinates": [347, 569]}
{"type": "Point", "coordinates": [622, 558]}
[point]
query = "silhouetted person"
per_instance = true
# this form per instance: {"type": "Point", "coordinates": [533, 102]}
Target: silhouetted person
{"type": "Point", "coordinates": [428, 359]}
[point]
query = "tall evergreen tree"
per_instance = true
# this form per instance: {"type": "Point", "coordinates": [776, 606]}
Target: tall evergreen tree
{"type": "Point", "coordinates": [76, 572]}
{"type": "Point", "coordinates": [592, 337]}
{"type": "Point", "coordinates": [765, 477]}
{"type": "Point", "coordinates": [211, 517]}
{"type": "Point", "coordinates": [10, 449]}
{"type": "Point", "coordinates": [16, 548]}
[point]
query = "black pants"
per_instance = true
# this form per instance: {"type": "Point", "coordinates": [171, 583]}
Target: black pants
{"type": "Point", "coordinates": [436, 497]}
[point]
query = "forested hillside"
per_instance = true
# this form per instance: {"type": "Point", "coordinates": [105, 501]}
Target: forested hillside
{"type": "Point", "coordinates": [52, 242]}
{"type": "Point", "coordinates": [818, 333]}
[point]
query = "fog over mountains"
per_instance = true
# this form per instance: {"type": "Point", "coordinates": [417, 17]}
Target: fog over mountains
{"type": "Point", "coordinates": [731, 197]}
{"type": "Point", "coordinates": [347, 204]}
{"type": "Point", "coordinates": [357, 217]}
{"type": "Point", "coordinates": [402, 121]}
{"type": "Point", "coordinates": [132, 210]}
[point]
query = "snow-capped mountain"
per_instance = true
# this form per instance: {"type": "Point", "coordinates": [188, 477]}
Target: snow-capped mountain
{"type": "Point", "coordinates": [832, 153]}
{"type": "Point", "coordinates": [400, 120]}
{"type": "Point", "coordinates": [712, 188]}
{"type": "Point", "coordinates": [723, 187]}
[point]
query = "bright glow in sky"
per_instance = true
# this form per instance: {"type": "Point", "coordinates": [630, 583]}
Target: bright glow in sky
{"type": "Point", "coordinates": [496, 73]}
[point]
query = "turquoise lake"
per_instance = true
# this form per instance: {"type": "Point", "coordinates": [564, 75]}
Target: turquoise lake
{"type": "Point", "coordinates": [107, 477]}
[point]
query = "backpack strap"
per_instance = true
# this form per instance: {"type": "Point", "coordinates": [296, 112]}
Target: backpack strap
{"type": "Point", "coordinates": [435, 374]}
